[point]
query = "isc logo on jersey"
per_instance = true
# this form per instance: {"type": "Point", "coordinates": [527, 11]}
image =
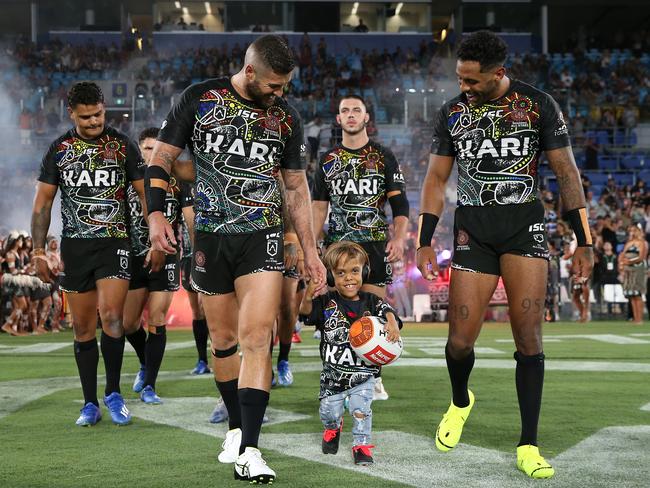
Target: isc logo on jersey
{"type": "Point", "coordinates": [102, 178]}
{"type": "Point", "coordinates": [352, 187]}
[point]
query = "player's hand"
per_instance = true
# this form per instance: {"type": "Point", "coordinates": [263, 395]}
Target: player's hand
{"type": "Point", "coordinates": [42, 269]}
{"type": "Point", "coordinates": [161, 234]}
{"type": "Point", "coordinates": [395, 249]}
{"type": "Point", "coordinates": [427, 263]}
{"type": "Point", "coordinates": [316, 272]}
{"type": "Point", "coordinates": [392, 329]}
{"type": "Point", "coordinates": [300, 268]}
{"type": "Point", "coordinates": [156, 259]}
{"type": "Point", "coordinates": [290, 255]}
{"type": "Point", "coordinates": [583, 263]}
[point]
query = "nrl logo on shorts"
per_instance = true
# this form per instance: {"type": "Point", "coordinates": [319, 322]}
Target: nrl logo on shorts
{"type": "Point", "coordinates": [124, 262]}
{"type": "Point", "coordinates": [272, 248]}
{"type": "Point", "coordinates": [200, 258]}
{"type": "Point", "coordinates": [538, 238]}
{"type": "Point", "coordinates": [170, 276]}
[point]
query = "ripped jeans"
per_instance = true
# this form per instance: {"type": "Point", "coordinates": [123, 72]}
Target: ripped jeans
{"type": "Point", "coordinates": [360, 397]}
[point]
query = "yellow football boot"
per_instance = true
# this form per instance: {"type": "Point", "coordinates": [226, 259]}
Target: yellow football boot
{"type": "Point", "coordinates": [451, 426]}
{"type": "Point", "coordinates": [532, 463]}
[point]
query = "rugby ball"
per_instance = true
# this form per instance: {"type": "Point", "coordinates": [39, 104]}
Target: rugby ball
{"type": "Point", "coordinates": [368, 340]}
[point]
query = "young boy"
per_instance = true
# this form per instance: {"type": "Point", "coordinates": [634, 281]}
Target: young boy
{"type": "Point", "coordinates": [344, 375]}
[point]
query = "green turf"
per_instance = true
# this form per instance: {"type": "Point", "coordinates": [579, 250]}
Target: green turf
{"type": "Point", "coordinates": [43, 447]}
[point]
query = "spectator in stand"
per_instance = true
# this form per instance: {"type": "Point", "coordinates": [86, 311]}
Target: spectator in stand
{"type": "Point", "coordinates": [361, 27]}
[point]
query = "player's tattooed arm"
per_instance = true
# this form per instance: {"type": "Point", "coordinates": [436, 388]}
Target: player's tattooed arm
{"type": "Point", "coordinates": [164, 155]}
{"type": "Point", "coordinates": [42, 212]}
{"type": "Point", "coordinates": [564, 167]}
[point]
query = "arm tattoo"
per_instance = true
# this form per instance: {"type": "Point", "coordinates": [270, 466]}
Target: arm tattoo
{"type": "Point", "coordinates": [297, 202]}
{"type": "Point", "coordinates": [163, 159]}
{"type": "Point", "coordinates": [40, 225]}
{"type": "Point", "coordinates": [563, 165]}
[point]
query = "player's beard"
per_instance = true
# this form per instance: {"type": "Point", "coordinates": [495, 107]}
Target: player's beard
{"type": "Point", "coordinates": [255, 93]}
{"type": "Point", "coordinates": [353, 132]}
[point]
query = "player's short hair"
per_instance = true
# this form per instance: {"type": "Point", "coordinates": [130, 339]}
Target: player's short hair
{"type": "Point", "coordinates": [344, 249]}
{"type": "Point", "coordinates": [485, 47]}
{"type": "Point", "coordinates": [149, 132]}
{"type": "Point", "coordinates": [354, 97]}
{"type": "Point", "coordinates": [275, 53]}
{"type": "Point", "coordinates": [85, 93]}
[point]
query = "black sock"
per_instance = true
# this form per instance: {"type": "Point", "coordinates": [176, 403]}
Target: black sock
{"type": "Point", "coordinates": [529, 378]}
{"type": "Point", "coordinates": [459, 370]}
{"type": "Point", "coordinates": [200, 330]}
{"type": "Point", "coordinates": [138, 340]}
{"type": "Point", "coordinates": [113, 352]}
{"type": "Point", "coordinates": [154, 352]}
{"type": "Point", "coordinates": [283, 355]}
{"type": "Point", "coordinates": [229, 393]}
{"type": "Point", "coordinates": [253, 405]}
{"type": "Point", "coordinates": [87, 356]}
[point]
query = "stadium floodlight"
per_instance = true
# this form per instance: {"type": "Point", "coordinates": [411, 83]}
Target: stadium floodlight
{"type": "Point", "coordinates": [355, 7]}
{"type": "Point", "coordinates": [177, 5]}
{"type": "Point", "coordinates": [186, 11]}
{"type": "Point", "coordinates": [398, 9]}
{"type": "Point", "coordinates": [208, 9]}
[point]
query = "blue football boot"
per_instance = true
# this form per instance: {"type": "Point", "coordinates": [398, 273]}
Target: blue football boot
{"type": "Point", "coordinates": [148, 396]}
{"type": "Point", "coordinates": [117, 408]}
{"type": "Point", "coordinates": [90, 415]}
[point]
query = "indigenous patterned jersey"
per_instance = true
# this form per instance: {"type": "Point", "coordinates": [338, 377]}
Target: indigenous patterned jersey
{"type": "Point", "coordinates": [237, 148]}
{"type": "Point", "coordinates": [179, 196]}
{"type": "Point", "coordinates": [497, 145]}
{"type": "Point", "coordinates": [93, 175]}
{"type": "Point", "coordinates": [333, 315]}
{"type": "Point", "coordinates": [356, 183]}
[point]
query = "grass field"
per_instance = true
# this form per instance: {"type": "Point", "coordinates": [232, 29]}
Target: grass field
{"type": "Point", "coordinates": [594, 428]}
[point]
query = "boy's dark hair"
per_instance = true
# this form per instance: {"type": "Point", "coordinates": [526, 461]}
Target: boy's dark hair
{"type": "Point", "coordinates": [275, 53]}
{"type": "Point", "coordinates": [354, 97]}
{"type": "Point", "coordinates": [151, 132]}
{"type": "Point", "coordinates": [85, 93]}
{"type": "Point", "coordinates": [485, 47]}
{"type": "Point", "coordinates": [347, 249]}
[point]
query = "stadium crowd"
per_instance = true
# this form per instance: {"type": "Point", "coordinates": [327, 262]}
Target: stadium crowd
{"type": "Point", "coordinates": [603, 88]}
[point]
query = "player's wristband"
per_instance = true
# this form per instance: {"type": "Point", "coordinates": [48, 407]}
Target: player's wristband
{"type": "Point", "coordinates": [577, 218]}
{"type": "Point", "coordinates": [38, 251]}
{"type": "Point", "coordinates": [426, 227]}
{"type": "Point", "coordinates": [156, 182]}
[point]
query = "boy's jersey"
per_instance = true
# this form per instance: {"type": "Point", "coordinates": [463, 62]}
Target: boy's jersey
{"type": "Point", "coordinates": [497, 144]}
{"type": "Point", "coordinates": [93, 176]}
{"type": "Point", "coordinates": [178, 197]}
{"type": "Point", "coordinates": [355, 182]}
{"type": "Point", "coordinates": [333, 315]}
{"type": "Point", "coordinates": [238, 149]}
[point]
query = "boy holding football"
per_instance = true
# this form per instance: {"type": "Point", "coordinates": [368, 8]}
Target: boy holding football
{"type": "Point", "coordinates": [344, 375]}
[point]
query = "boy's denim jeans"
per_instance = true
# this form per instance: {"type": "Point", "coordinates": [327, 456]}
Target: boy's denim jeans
{"type": "Point", "coordinates": [360, 397]}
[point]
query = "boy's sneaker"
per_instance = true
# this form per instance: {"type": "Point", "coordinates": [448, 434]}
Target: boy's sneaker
{"type": "Point", "coordinates": [220, 413]}
{"type": "Point", "coordinates": [380, 392]}
{"type": "Point", "coordinates": [138, 383]}
{"type": "Point", "coordinates": [201, 368]}
{"type": "Point", "coordinates": [250, 467]}
{"type": "Point", "coordinates": [451, 425]}
{"type": "Point", "coordinates": [120, 415]}
{"type": "Point", "coordinates": [90, 415]}
{"type": "Point", "coordinates": [532, 463]}
{"type": "Point", "coordinates": [331, 438]}
{"type": "Point", "coordinates": [362, 455]}
{"type": "Point", "coordinates": [317, 334]}
{"type": "Point", "coordinates": [295, 338]}
{"type": "Point", "coordinates": [230, 446]}
{"type": "Point", "coordinates": [285, 376]}
{"type": "Point", "coordinates": [148, 396]}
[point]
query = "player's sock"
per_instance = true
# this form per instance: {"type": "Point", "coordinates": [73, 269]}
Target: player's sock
{"type": "Point", "coordinates": [229, 393]}
{"type": "Point", "coordinates": [112, 352]}
{"type": "Point", "coordinates": [283, 355]}
{"type": "Point", "coordinates": [200, 330]}
{"type": "Point", "coordinates": [154, 352]}
{"type": "Point", "coordinates": [529, 378]}
{"type": "Point", "coordinates": [459, 371]}
{"type": "Point", "coordinates": [137, 341]}
{"type": "Point", "coordinates": [253, 405]}
{"type": "Point", "coordinates": [87, 356]}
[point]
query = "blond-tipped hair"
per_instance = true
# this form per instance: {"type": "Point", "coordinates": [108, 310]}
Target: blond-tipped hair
{"type": "Point", "coordinates": [344, 249]}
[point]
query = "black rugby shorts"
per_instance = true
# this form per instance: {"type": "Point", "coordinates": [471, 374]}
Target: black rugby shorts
{"type": "Point", "coordinates": [483, 234]}
{"type": "Point", "coordinates": [87, 260]}
{"type": "Point", "coordinates": [186, 271]}
{"type": "Point", "coordinates": [219, 259]}
{"type": "Point", "coordinates": [165, 279]}
{"type": "Point", "coordinates": [381, 270]}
